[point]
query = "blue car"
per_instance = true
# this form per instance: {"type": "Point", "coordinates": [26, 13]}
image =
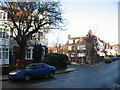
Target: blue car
{"type": "Point", "coordinates": [32, 70]}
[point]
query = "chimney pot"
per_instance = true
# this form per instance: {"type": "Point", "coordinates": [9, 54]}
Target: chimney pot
{"type": "Point", "coordinates": [69, 36]}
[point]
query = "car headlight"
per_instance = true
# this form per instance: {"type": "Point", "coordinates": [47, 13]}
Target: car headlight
{"type": "Point", "coordinates": [13, 73]}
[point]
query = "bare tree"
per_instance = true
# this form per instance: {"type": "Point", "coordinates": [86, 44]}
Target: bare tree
{"type": "Point", "coordinates": [59, 46]}
{"type": "Point", "coordinates": [28, 18]}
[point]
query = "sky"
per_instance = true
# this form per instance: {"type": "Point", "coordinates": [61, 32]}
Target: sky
{"type": "Point", "coordinates": [100, 16]}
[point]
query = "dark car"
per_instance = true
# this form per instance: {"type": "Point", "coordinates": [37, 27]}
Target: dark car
{"type": "Point", "coordinates": [68, 62]}
{"type": "Point", "coordinates": [108, 60]}
{"type": "Point", "coordinates": [32, 70]}
{"type": "Point", "coordinates": [113, 58]}
{"type": "Point", "coordinates": [117, 58]}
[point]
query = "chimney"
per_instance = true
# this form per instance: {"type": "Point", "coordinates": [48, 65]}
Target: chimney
{"type": "Point", "coordinates": [90, 33]}
{"type": "Point", "coordinates": [69, 36]}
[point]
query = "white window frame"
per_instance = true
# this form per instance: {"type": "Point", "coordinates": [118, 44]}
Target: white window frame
{"type": "Point", "coordinates": [1, 15]}
{"type": "Point", "coordinates": [70, 48]}
{"type": "Point", "coordinates": [4, 55]}
{"type": "Point", "coordinates": [29, 54]}
{"type": "Point", "coordinates": [81, 54]}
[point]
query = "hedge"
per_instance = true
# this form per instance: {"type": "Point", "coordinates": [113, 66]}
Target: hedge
{"type": "Point", "coordinates": [57, 60]}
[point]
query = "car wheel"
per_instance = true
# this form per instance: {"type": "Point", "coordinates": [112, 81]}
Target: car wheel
{"type": "Point", "coordinates": [27, 77]}
{"type": "Point", "coordinates": [51, 74]}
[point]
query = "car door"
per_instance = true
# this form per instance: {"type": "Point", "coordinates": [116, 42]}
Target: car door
{"type": "Point", "coordinates": [34, 70]}
{"type": "Point", "coordinates": [46, 69]}
{"type": "Point", "coordinates": [43, 70]}
{"type": "Point", "coordinates": [37, 70]}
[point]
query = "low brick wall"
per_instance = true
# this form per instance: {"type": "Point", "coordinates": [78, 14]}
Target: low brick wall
{"type": "Point", "coordinates": [6, 70]}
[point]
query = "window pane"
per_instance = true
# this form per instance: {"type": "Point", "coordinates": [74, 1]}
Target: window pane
{"type": "Point", "coordinates": [4, 16]}
{"type": "Point", "coordinates": [0, 56]}
{"type": "Point", "coordinates": [3, 54]}
{"type": "Point", "coordinates": [45, 65]}
{"type": "Point", "coordinates": [28, 50]}
{"type": "Point", "coordinates": [40, 66]}
{"type": "Point", "coordinates": [0, 15]}
{"type": "Point", "coordinates": [0, 33]}
{"type": "Point", "coordinates": [4, 34]}
{"type": "Point", "coordinates": [28, 55]}
{"type": "Point", "coordinates": [3, 49]}
{"type": "Point", "coordinates": [29, 67]}
{"type": "Point", "coordinates": [6, 55]}
{"type": "Point", "coordinates": [6, 49]}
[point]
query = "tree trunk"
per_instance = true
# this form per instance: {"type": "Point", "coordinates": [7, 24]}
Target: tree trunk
{"type": "Point", "coordinates": [22, 49]}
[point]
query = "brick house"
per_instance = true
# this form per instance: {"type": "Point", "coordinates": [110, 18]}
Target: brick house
{"type": "Point", "coordinates": [52, 50]}
{"type": "Point", "coordinates": [78, 48]}
{"type": "Point", "coordinates": [59, 50]}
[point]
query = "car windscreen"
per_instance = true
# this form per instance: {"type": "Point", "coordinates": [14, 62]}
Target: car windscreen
{"type": "Point", "coordinates": [29, 67]}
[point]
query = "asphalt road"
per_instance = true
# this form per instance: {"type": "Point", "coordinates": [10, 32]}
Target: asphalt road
{"type": "Point", "coordinates": [98, 76]}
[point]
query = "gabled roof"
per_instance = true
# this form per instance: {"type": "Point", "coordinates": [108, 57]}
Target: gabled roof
{"type": "Point", "coordinates": [72, 38]}
{"type": "Point", "coordinates": [89, 38]}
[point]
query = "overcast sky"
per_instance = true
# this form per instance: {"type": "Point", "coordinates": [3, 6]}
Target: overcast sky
{"type": "Point", "coordinates": [101, 16]}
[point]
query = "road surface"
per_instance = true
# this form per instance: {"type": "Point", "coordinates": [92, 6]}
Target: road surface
{"type": "Point", "coordinates": [96, 76]}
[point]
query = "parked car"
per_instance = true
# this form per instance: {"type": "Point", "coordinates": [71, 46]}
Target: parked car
{"type": "Point", "coordinates": [68, 62]}
{"type": "Point", "coordinates": [114, 58]}
{"type": "Point", "coordinates": [32, 70]}
{"type": "Point", "coordinates": [108, 60]}
{"type": "Point", "coordinates": [117, 58]}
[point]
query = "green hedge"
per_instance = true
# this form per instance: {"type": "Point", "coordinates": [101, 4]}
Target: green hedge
{"type": "Point", "coordinates": [57, 60]}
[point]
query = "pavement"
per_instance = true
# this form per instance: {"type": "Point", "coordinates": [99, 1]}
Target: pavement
{"type": "Point", "coordinates": [69, 69]}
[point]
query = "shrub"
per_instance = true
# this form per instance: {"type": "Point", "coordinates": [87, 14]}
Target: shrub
{"type": "Point", "coordinates": [57, 60]}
